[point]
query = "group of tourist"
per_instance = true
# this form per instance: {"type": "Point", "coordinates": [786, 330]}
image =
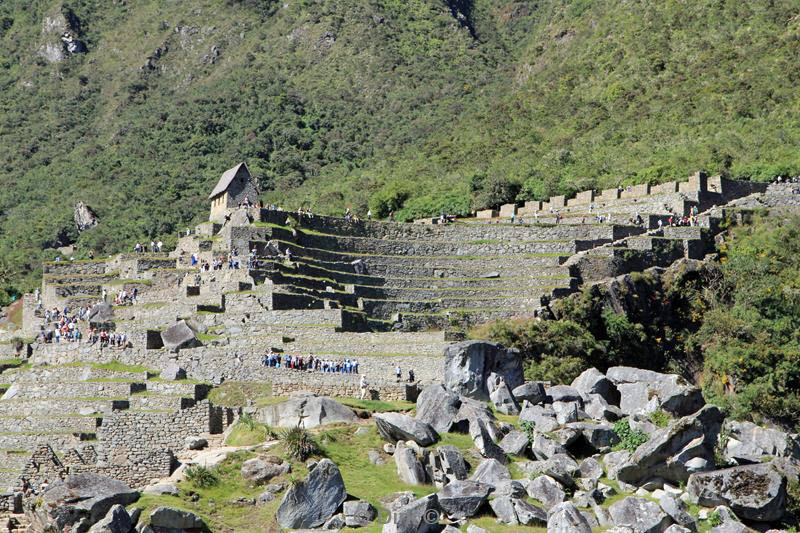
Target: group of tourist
{"type": "Point", "coordinates": [124, 297]}
{"type": "Point", "coordinates": [62, 325]}
{"type": "Point", "coordinates": [107, 338]}
{"type": "Point", "coordinates": [310, 363]}
{"type": "Point", "coordinates": [155, 247]}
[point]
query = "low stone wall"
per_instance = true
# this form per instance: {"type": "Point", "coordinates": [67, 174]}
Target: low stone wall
{"type": "Point", "coordinates": [348, 389]}
{"type": "Point", "coordinates": [11, 502]}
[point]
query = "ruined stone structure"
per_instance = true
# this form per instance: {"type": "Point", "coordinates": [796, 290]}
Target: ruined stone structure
{"type": "Point", "coordinates": [382, 293]}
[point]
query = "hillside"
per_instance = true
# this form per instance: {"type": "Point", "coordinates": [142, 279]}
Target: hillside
{"type": "Point", "coordinates": [414, 105]}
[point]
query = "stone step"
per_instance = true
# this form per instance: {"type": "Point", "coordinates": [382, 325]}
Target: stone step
{"type": "Point", "coordinates": [159, 402]}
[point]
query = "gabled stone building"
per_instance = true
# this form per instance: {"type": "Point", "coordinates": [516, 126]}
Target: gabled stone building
{"type": "Point", "coordinates": [234, 187]}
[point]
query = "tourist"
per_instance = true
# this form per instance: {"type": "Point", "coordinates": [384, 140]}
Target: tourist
{"type": "Point", "coordinates": [397, 373]}
{"type": "Point", "coordinates": [363, 386]}
{"type": "Point", "coordinates": [159, 245]}
{"type": "Point", "coordinates": [369, 214]}
{"type": "Point", "coordinates": [411, 377]}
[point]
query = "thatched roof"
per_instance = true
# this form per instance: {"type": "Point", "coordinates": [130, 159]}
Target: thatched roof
{"type": "Point", "coordinates": [226, 179]}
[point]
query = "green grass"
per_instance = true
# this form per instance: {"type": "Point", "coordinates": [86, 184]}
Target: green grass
{"type": "Point", "coordinates": [244, 435]}
{"type": "Point", "coordinates": [240, 393]}
{"type": "Point", "coordinates": [205, 337]}
{"type": "Point", "coordinates": [376, 406]}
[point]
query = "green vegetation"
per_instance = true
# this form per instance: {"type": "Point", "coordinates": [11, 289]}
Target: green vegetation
{"type": "Point", "coordinates": [449, 106]}
{"type": "Point", "coordinates": [249, 432]}
{"type": "Point", "coordinates": [239, 393]}
{"type": "Point", "coordinates": [660, 418]}
{"type": "Point", "coordinates": [630, 439]}
{"type": "Point", "coordinates": [200, 476]}
{"type": "Point", "coordinates": [299, 443]}
{"type": "Point", "coordinates": [376, 406]}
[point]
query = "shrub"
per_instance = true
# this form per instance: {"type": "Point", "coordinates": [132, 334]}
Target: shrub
{"type": "Point", "coordinates": [201, 477]}
{"type": "Point", "coordinates": [660, 418]}
{"type": "Point", "coordinates": [714, 519]}
{"type": "Point", "coordinates": [629, 439]}
{"type": "Point", "coordinates": [528, 428]}
{"type": "Point", "coordinates": [299, 443]}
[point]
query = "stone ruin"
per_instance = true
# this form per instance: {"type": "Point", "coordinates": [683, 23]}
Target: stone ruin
{"type": "Point", "coordinates": [387, 294]}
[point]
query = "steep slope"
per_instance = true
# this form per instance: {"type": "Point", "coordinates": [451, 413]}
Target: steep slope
{"type": "Point", "coordinates": [413, 105]}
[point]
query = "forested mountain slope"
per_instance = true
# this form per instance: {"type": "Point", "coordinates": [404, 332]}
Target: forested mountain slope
{"type": "Point", "coordinates": [412, 105]}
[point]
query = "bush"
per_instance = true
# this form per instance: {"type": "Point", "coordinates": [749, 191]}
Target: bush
{"type": "Point", "coordinates": [629, 439]}
{"type": "Point", "coordinates": [660, 418]}
{"type": "Point", "coordinates": [299, 444]}
{"type": "Point", "coordinates": [201, 477]}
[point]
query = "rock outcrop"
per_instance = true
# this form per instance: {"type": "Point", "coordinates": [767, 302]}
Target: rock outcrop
{"type": "Point", "coordinates": [396, 427]}
{"type": "Point", "coordinates": [468, 365]}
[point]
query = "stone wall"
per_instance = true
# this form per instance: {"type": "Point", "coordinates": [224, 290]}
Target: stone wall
{"type": "Point", "coordinates": [349, 389]}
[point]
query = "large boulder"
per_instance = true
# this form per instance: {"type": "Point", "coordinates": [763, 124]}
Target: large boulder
{"type": "Point", "coordinates": [178, 336]}
{"type": "Point", "coordinates": [438, 407]}
{"type": "Point", "coordinates": [472, 411]}
{"type": "Point", "coordinates": [310, 503]}
{"type": "Point", "coordinates": [418, 516]}
{"type": "Point", "coordinates": [491, 472]}
{"type": "Point", "coordinates": [515, 443]}
{"type": "Point", "coordinates": [547, 490]}
{"type": "Point", "coordinates": [307, 410]}
{"type": "Point", "coordinates": [501, 397]}
{"type": "Point", "coordinates": [116, 521]}
{"type": "Point", "coordinates": [359, 513]}
{"type": "Point", "coordinates": [754, 492]}
{"type": "Point", "coordinates": [463, 499]}
{"type": "Point", "coordinates": [516, 511]}
{"type": "Point", "coordinates": [749, 443]}
{"type": "Point", "coordinates": [468, 365]}
{"type": "Point", "coordinates": [80, 499]}
{"type": "Point", "coordinates": [566, 518]}
{"type": "Point", "coordinates": [640, 515]}
{"type": "Point", "coordinates": [592, 381]}
{"type": "Point", "coordinates": [674, 452]}
{"type": "Point", "coordinates": [645, 391]}
{"type": "Point", "coordinates": [445, 465]}
{"type": "Point", "coordinates": [542, 417]}
{"type": "Point", "coordinates": [100, 313]}
{"type": "Point", "coordinates": [676, 509]}
{"type": "Point", "coordinates": [409, 468]}
{"type": "Point", "coordinates": [482, 439]}
{"type": "Point", "coordinates": [396, 426]}
{"type": "Point", "coordinates": [168, 519]}
{"type": "Point", "coordinates": [532, 392]}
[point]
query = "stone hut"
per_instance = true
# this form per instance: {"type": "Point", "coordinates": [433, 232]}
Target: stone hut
{"type": "Point", "coordinates": [235, 185]}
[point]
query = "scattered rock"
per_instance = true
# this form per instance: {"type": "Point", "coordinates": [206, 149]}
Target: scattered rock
{"type": "Point", "coordinates": [389, 448]}
{"type": "Point", "coordinates": [310, 503]}
{"type": "Point", "coordinates": [484, 443]}
{"type": "Point", "coordinates": [544, 447]}
{"type": "Point", "coordinates": [463, 499]}
{"type": "Point", "coordinates": [501, 397]}
{"type": "Point", "coordinates": [754, 492]}
{"type": "Point", "coordinates": [409, 468]}
{"type": "Point", "coordinates": [669, 452]}
{"type": "Point", "coordinates": [375, 457]}
{"type": "Point", "coordinates": [645, 391]}
{"type": "Point", "coordinates": [258, 471]}
{"type": "Point", "coordinates": [116, 521]}
{"type": "Point", "coordinates": [491, 472]}
{"type": "Point", "coordinates": [594, 382]}
{"type": "Point", "coordinates": [336, 522]}
{"type": "Point", "coordinates": [639, 514]}
{"type": "Point", "coordinates": [468, 365]}
{"type": "Point", "coordinates": [547, 490]}
{"type": "Point", "coordinates": [531, 392]}
{"type": "Point", "coordinates": [445, 465]}
{"type": "Point", "coordinates": [420, 515]}
{"type": "Point", "coordinates": [676, 510]}
{"type": "Point", "coordinates": [161, 489]}
{"type": "Point", "coordinates": [397, 426]}
{"type": "Point", "coordinates": [81, 498]}
{"type": "Point", "coordinates": [564, 393]}
{"type": "Point", "coordinates": [515, 443]}
{"type": "Point", "coordinates": [175, 519]}
{"type": "Point", "coordinates": [749, 443]}
{"type": "Point", "coordinates": [438, 407]}
{"type": "Point", "coordinates": [195, 443]}
{"type": "Point", "coordinates": [359, 513]}
{"type": "Point", "coordinates": [566, 518]}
